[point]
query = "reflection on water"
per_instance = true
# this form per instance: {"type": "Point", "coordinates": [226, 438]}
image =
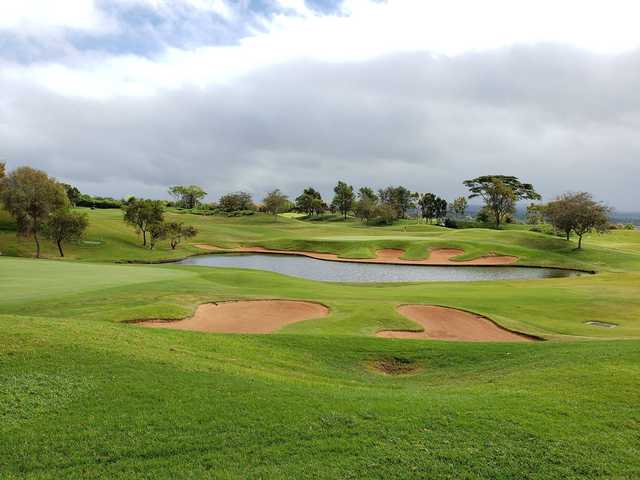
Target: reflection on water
{"type": "Point", "coordinates": [365, 272]}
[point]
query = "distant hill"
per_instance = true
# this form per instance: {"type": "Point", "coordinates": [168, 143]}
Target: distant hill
{"type": "Point", "coordinates": [521, 213]}
{"type": "Point", "coordinates": [626, 217]}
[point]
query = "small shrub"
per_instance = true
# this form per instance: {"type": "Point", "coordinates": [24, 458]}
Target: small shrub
{"type": "Point", "coordinates": [629, 226]}
{"type": "Point", "coordinates": [483, 216]}
{"type": "Point", "coordinates": [450, 223]}
{"type": "Point", "coordinates": [241, 213]}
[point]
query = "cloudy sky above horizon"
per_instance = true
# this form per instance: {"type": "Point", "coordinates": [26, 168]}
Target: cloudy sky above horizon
{"type": "Point", "coordinates": [125, 97]}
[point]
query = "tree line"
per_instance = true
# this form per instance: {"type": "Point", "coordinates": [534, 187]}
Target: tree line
{"type": "Point", "coordinates": [42, 207]}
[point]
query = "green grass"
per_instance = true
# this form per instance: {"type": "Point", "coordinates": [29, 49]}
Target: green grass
{"type": "Point", "coordinates": [85, 395]}
{"type": "Point", "coordinates": [108, 239]}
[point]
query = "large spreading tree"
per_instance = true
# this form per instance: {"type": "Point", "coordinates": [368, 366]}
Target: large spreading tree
{"type": "Point", "coordinates": [188, 196]}
{"type": "Point", "coordinates": [578, 212]}
{"type": "Point", "coordinates": [500, 193]}
{"type": "Point", "coordinates": [236, 202]}
{"type": "Point", "coordinates": [31, 196]}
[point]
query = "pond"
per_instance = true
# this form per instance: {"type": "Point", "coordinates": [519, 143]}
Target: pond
{"type": "Point", "coordinates": [330, 271]}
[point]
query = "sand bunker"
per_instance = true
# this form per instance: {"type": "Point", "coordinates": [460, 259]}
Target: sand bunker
{"type": "Point", "coordinates": [444, 323]}
{"type": "Point", "coordinates": [254, 316]}
{"type": "Point", "coordinates": [601, 324]}
{"type": "Point", "coordinates": [437, 256]}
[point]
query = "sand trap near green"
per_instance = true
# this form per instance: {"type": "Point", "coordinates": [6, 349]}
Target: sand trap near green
{"type": "Point", "coordinates": [252, 316]}
{"type": "Point", "coordinates": [442, 323]}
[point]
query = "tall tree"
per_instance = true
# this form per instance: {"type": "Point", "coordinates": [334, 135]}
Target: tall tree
{"type": "Point", "coordinates": [73, 194]}
{"type": "Point", "coordinates": [365, 208]}
{"type": "Point", "coordinates": [275, 202]}
{"type": "Point", "coordinates": [65, 226]}
{"type": "Point", "coordinates": [440, 210]}
{"type": "Point", "coordinates": [189, 196]}
{"type": "Point", "coordinates": [426, 203]}
{"type": "Point", "coordinates": [578, 212]}
{"type": "Point", "coordinates": [399, 198]}
{"type": "Point", "coordinates": [157, 231]}
{"type": "Point", "coordinates": [343, 198]}
{"type": "Point", "coordinates": [459, 206]}
{"type": "Point", "coordinates": [310, 201]}
{"type": "Point", "coordinates": [31, 196]}
{"type": "Point", "coordinates": [535, 213]}
{"type": "Point", "coordinates": [3, 167]}
{"type": "Point", "coordinates": [500, 193]}
{"type": "Point", "coordinates": [142, 214]}
{"type": "Point", "coordinates": [385, 213]}
{"type": "Point", "coordinates": [431, 206]}
{"type": "Point", "coordinates": [367, 192]}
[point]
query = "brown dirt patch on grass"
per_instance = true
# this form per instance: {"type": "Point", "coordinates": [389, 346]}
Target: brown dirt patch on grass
{"type": "Point", "coordinates": [444, 323]}
{"type": "Point", "coordinates": [395, 366]}
{"type": "Point", "coordinates": [253, 316]}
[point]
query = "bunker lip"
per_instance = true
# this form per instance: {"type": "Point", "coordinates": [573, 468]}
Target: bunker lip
{"type": "Point", "coordinates": [244, 316]}
{"type": "Point", "coordinates": [437, 256]}
{"type": "Point", "coordinates": [446, 323]}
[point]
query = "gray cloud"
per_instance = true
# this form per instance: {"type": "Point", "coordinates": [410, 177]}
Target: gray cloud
{"type": "Point", "coordinates": [561, 118]}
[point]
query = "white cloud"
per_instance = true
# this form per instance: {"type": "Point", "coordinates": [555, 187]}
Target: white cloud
{"type": "Point", "coordinates": [34, 16]}
{"type": "Point", "coordinates": [367, 30]}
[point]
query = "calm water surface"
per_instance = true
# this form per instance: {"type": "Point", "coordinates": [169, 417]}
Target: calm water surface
{"type": "Point", "coordinates": [327, 271]}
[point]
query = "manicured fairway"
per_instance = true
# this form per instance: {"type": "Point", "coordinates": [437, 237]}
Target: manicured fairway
{"type": "Point", "coordinates": [85, 395]}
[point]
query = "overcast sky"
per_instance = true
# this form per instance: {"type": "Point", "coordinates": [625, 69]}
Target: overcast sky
{"type": "Point", "coordinates": [125, 97]}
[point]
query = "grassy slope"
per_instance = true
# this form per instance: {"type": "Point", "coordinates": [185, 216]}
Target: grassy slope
{"type": "Point", "coordinates": [86, 396]}
{"type": "Point", "coordinates": [109, 239]}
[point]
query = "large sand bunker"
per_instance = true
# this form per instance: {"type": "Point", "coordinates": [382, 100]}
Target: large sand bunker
{"type": "Point", "coordinates": [437, 256]}
{"type": "Point", "coordinates": [444, 323]}
{"type": "Point", "coordinates": [253, 316]}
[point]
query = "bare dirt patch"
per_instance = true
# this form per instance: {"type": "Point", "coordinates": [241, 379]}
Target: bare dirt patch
{"type": "Point", "coordinates": [395, 366]}
{"type": "Point", "coordinates": [442, 323]}
{"type": "Point", "coordinates": [437, 256]}
{"type": "Point", "coordinates": [253, 316]}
